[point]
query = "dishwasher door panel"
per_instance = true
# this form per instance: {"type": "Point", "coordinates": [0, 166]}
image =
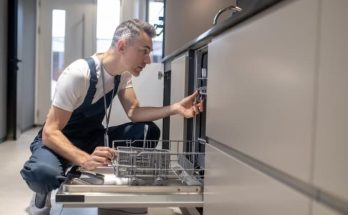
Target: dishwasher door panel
{"type": "Point", "coordinates": [85, 190]}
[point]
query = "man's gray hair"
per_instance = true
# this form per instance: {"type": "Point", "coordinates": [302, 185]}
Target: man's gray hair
{"type": "Point", "coordinates": [130, 29]}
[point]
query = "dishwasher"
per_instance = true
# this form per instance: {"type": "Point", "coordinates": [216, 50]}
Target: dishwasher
{"type": "Point", "coordinates": [139, 177]}
{"type": "Point", "coordinates": [169, 175]}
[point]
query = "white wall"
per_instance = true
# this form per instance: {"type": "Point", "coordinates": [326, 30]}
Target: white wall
{"type": "Point", "coordinates": [132, 9]}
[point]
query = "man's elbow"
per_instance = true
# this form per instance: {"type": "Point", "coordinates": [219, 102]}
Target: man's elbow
{"type": "Point", "coordinates": [132, 115]}
{"type": "Point", "coordinates": [47, 136]}
{"type": "Point", "coordinates": [132, 118]}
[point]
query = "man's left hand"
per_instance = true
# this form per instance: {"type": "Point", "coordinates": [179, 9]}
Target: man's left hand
{"type": "Point", "coordinates": [188, 107]}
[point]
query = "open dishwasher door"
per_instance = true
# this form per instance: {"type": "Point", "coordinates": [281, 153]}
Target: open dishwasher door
{"type": "Point", "coordinates": [139, 177]}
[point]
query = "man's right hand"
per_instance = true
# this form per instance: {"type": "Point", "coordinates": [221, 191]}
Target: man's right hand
{"type": "Point", "coordinates": [102, 156]}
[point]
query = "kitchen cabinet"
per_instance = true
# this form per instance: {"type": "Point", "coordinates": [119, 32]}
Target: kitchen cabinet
{"type": "Point", "coordinates": [232, 187]}
{"type": "Point", "coordinates": [178, 80]}
{"type": "Point", "coordinates": [331, 134]}
{"type": "Point", "coordinates": [319, 209]}
{"type": "Point", "coordinates": [261, 86]}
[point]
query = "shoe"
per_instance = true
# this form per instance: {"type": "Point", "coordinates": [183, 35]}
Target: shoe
{"type": "Point", "coordinates": [40, 204]}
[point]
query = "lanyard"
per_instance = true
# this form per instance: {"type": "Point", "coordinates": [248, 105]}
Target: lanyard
{"type": "Point", "coordinates": [107, 114]}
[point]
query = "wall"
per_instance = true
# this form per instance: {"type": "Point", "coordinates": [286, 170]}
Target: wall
{"type": "Point", "coordinates": [132, 9]}
{"type": "Point", "coordinates": [185, 20]}
{"type": "Point", "coordinates": [26, 72]}
{"type": "Point", "coordinates": [3, 65]}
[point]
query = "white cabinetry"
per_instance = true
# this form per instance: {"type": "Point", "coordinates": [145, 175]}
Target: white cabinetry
{"type": "Point", "coordinates": [319, 209]}
{"type": "Point", "coordinates": [280, 100]}
{"type": "Point", "coordinates": [232, 187]}
{"type": "Point", "coordinates": [261, 86]}
{"type": "Point", "coordinates": [331, 149]}
{"type": "Point", "coordinates": [178, 74]}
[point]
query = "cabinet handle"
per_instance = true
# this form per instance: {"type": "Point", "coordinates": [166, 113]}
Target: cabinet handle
{"type": "Point", "coordinates": [160, 75]}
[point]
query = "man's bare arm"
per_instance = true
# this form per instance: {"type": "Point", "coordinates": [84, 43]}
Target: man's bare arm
{"type": "Point", "coordinates": [54, 139]}
{"type": "Point", "coordinates": [186, 107]}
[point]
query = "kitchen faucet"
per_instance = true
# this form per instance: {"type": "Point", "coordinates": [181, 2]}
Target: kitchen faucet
{"type": "Point", "coordinates": [234, 8]}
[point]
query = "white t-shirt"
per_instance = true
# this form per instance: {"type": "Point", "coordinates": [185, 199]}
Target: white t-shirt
{"type": "Point", "coordinates": [73, 84]}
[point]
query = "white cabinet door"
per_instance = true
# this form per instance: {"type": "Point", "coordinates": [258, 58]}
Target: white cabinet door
{"type": "Point", "coordinates": [331, 147]}
{"type": "Point", "coordinates": [177, 92]}
{"type": "Point", "coordinates": [261, 86]}
{"type": "Point", "coordinates": [231, 187]}
{"type": "Point", "coordinates": [319, 209]}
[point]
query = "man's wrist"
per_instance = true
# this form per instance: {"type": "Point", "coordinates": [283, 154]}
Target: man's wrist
{"type": "Point", "coordinates": [83, 158]}
{"type": "Point", "coordinates": [173, 109]}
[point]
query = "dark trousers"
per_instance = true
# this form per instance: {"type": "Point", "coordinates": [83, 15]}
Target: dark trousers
{"type": "Point", "coordinates": [44, 171]}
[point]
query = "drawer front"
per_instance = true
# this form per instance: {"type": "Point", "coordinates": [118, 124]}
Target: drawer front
{"type": "Point", "coordinates": [331, 147]}
{"type": "Point", "coordinates": [261, 87]}
{"type": "Point", "coordinates": [232, 187]}
{"type": "Point", "coordinates": [319, 209]}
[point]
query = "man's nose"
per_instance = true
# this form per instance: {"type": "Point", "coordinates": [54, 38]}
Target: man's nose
{"type": "Point", "coordinates": [147, 59]}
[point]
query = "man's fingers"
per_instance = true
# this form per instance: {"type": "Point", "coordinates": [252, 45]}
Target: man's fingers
{"type": "Point", "coordinates": [104, 152]}
{"type": "Point", "coordinates": [101, 160]}
{"type": "Point", "coordinates": [193, 95]}
{"type": "Point", "coordinates": [200, 106]}
{"type": "Point", "coordinates": [195, 109]}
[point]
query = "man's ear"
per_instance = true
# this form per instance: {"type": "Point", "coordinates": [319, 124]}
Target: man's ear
{"type": "Point", "coordinates": [121, 45]}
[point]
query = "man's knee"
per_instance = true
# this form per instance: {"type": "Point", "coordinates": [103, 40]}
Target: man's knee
{"type": "Point", "coordinates": [153, 131]}
{"type": "Point", "coordinates": [40, 177]}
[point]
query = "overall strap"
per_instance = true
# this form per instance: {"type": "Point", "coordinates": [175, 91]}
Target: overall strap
{"type": "Point", "coordinates": [117, 82]}
{"type": "Point", "coordinates": [92, 81]}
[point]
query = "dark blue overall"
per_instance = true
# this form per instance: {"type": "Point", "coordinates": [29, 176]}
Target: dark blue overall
{"type": "Point", "coordinates": [44, 170]}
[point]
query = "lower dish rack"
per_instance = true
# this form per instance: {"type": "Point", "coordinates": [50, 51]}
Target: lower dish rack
{"type": "Point", "coordinates": [140, 176]}
{"type": "Point", "coordinates": [152, 166]}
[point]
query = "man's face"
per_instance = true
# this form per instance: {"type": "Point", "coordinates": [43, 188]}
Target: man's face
{"type": "Point", "coordinates": [137, 54]}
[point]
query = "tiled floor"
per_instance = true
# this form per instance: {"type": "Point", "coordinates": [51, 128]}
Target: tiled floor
{"type": "Point", "coordinates": [14, 193]}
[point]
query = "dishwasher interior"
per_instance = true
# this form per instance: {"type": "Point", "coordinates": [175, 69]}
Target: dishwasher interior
{"type": "Point", "coordinates": [148, 176]}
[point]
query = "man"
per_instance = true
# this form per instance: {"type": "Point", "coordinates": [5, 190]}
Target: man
{"type": "Point", "coordinates": [73, 133]}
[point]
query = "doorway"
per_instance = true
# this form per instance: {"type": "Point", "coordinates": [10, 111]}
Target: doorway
{"type": "Point", "coordinates": [67, 31]}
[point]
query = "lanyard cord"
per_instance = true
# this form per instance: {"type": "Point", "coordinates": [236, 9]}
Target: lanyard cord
{"type": "Point", "coordinates": [107, 114]}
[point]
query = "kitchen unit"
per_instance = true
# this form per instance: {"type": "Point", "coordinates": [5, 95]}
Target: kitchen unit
{"type": "Point", "coordinates": [274, 82]}
{"type": "Point", "coordinates": [276, 123]}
